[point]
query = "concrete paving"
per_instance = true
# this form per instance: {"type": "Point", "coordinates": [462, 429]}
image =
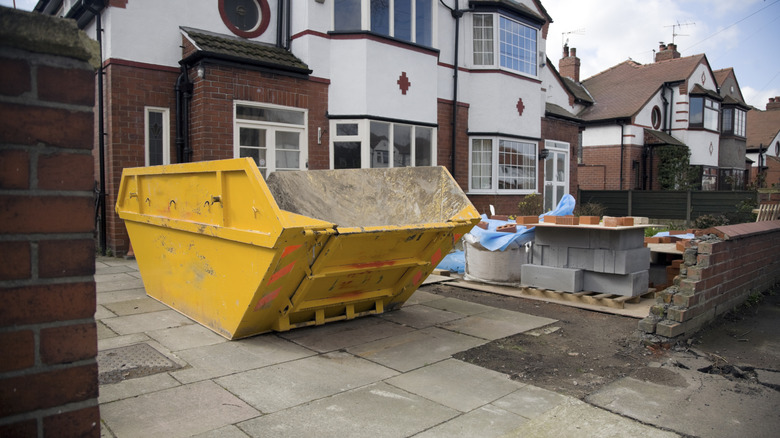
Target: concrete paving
{"type": "Point", "coordinates": [391, 375]}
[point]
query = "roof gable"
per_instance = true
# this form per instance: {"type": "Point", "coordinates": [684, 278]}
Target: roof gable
{"type": "Point", "coordinates": [622, 91]}
{"type": "Point", "coordinates": [762, 127]}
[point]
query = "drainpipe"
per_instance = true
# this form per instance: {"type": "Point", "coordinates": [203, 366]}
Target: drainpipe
{"type": "Point", "coordinates": [456, 13]}
{"type": "Point", "coordinates": [101, 130]}
{"type": "Point", "coordinates": [179, 118]}
{"type": "Point", "coordinates": [288, 29]}
{"type": "Point", "coordinates": [279, 18]}
{"type": "Point", "coordinates": [666, 107]}
{"type": "Point", "coordinates": [622, 126]}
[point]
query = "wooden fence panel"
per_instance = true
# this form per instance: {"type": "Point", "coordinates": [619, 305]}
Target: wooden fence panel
{"type": "Point", "coordinates": [666, 204]}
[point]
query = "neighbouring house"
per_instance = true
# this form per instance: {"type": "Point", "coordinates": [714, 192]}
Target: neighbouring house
{"type": "Point", "coordinates": [639, 123]}
{"type": "Point", "coordinates": [763, 144]}
{"type": "Point", "coordinates": [332, 84]}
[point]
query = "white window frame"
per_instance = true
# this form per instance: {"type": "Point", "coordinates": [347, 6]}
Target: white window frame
{"type": "Point", "coordinates": [364, 138]}
{"type": "Point", "coordinates": [496, 64]}
{"type": "Point", "coordinates": [561, 147]}
{"type": "Point", "coordinates": [166, 134]}
{"type": "Point", "coordinates": [494, 189]}
{"type": "Point", "coordinates": [365, 19]}
{"type": "Point", "coordinates": [270, 130]}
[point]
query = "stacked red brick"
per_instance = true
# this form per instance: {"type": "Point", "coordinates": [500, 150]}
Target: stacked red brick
{"type": "Point", "coordinates": [48, 339]}
{"type": "Point", "coordinates": [716, 276]}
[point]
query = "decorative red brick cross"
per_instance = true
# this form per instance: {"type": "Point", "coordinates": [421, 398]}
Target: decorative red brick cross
{"type": "Point", "coordinates": [520, 107]}
{"type": "Point", "coordinates": [403, 83]}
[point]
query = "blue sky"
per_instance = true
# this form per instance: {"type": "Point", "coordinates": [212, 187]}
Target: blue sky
{"type": "Point", "coordinates": [743, 34]}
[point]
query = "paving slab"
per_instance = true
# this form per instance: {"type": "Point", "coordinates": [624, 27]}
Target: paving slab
{"type": "Point", "coordinates": [112, 286]}
{"type": "Point", "coordinates": [104, 298]}
{"type": "Point", "coordinates": [418, 316]}
{"type": "Point", "coordinates": [227, 358]}
{"type": "Point", "coordinates": [223, 432]}
{"type": "Point", "coordinates": [177, 412]}
{"type": "Point", "coordinates": [102, 269]}
{"type": "Point", "coordinates": [497, 323]}
{"type": "Point", "coordinates": [106, 277]}
{"type": "Point", "coordinates": [421, 296]}
{"type": "Point", "coordinates": [343, 334]}
{"type": "Point", "coordinates": [412, 350]}
{"type": "Point", "coordinates": [186, 337]}
{"type": "Point", "coordinates": [143, 304]}
{"type": "Point", "coordinates": [125, 325]}
{"type": "Point", "coordinates": [101, 312]}
{"type": "Point", "coordinates": [378, 410]}
{"type": "Point", "coordinates": [486, 422]}
{"type": "Point", "coordinates": [456, 384]}
{"type": "Point", "coordinates": [121, 341]}
{"type": "Point", "coordinates": [135, 387]}
{"type": "Point", "coordinates": [530, 401]}
{"type": "Point", "coordinates": [103, 332]}
{"type": "Point", "coordinates": [574, 418]}
{"type": "Point", "coordinates": [283, 386]}
{"type": "Point", "coordinates": [706, 405]}
{"type": "Point", "coordinates": [459, 306]}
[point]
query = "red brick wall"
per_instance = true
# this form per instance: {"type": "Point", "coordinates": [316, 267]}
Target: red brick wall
{"type": "Point", "coordinates": [717, 276]}
{"type": "Point", "coordinates": [601, 170]}
{"type": "Point", "coordinates": [128, 89]}
{"type": "Point", "coordinates": [48, 337]}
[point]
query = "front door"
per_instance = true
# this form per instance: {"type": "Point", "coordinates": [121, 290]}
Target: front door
{"type": "Point", "coordinates": [556, 173]}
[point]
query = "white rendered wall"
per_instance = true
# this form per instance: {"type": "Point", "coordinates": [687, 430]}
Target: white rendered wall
{"type": "Point", "coordinates": [608, 135]}
{"type": "Point", "coordinates": [493, 105]}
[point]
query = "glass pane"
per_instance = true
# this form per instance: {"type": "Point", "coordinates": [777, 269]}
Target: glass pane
{"type": "Point", "coordinates": [548, 169]}
{"type": "Point", "coordinates": [402, 20]}
{"type": "Point", "coordinates": [516, 165]}
{"type": "Point", "coordinates": [517, 46]}
{"type": "Point", "coordinates": [155, 127]}
{"type": "Point", "coordinates": [548, 197]}
{"type": "Point", "coordinates": [274, 115]}
{"type": "Point", "coordinates": [696, 109]}
{"type": "Point", "coordinates": [287, 151]}
{"type": "Point", "coordinates": [560, 172]}
{"type": "Point", "coordinates": [346, 155]}
{"type": "Point", "coordinates": [346, 15]}
{"type": "Point", "coordinates": [380, 16]}
{"type": "Point", "coordinates": [558, 194]}
{"type": "Point", "coordinates": [422, 146]}
{"type": "Point", "coordinates": [380, 144]}
{"type": "Point", "coordinates": [483, 39]}
{"type": "Point", "coordinates": [424, 23]}
{"type": "Point", "coordinates": [244, 14]}
{"type": "Point", "coordinates": [402, 145]}
{"type": "Point", "coordinates": [481, 164]}
{"type": "Point", "coordinates": [346, 129]}
{"type": "Point", "coordinates": [251, 137]}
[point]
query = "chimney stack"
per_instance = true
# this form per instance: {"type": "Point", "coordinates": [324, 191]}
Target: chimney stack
{"type": "Point", "coordinates": [569, 65]}
{"type": "Point", "coordinates": [666, 52]}
{"type": "Point", "coordinates": [774, 104]}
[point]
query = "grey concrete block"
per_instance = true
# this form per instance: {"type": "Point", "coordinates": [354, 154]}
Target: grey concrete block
{"type": "Point", "coordinates": [617, 239]}
{"type": "Point", "coordinates": [609, 261]}
{"type": "Point", "coordinates": [566, 237]}
{"type": "Point", "coordinates": [547, 277]}
{"type": "Point", "coordinates": [631, 285]}
{"type": "Point", "coordinates": [632, 260]}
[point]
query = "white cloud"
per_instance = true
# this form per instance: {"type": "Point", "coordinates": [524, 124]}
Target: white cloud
{"type": "Point", "coordinates": [757, 98]}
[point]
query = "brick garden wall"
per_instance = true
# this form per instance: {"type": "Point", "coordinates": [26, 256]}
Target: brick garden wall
{"type": "Point", "coordinates": [717, 275]}
{"type": "Point", "coordinates": [48, 337]}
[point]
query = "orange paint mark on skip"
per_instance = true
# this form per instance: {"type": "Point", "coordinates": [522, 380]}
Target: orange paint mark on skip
{"type": "Point", "coordinates": [373, 264]}
{"type": "Point", "coordinates": [417, 278]}
{"type": "Point", "coordinates": [456, 237]}
{"type": "Point", "coordinates": [436, 257]}
{"type": "Point", "coordinates": [290, 249]}
{"type": "Point", "coordinates": [281, 273]}
{"type": "Point", "coordinates": [267, 299]}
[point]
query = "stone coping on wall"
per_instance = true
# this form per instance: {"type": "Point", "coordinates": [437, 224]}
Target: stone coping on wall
{"type": "Point", "coordinates": [738, 231]}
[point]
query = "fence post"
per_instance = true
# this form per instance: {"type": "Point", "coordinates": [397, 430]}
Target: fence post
{"type": "Point", "coordinates": [630, 201]}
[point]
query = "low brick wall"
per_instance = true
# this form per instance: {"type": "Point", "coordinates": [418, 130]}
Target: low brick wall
{"type": "Point", "coordinates": [719, 272]}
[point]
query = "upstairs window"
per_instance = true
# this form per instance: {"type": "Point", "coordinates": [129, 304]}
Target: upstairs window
{"type": "Point", "coordinates": [407, 20]}
{"type": "Point", "coordinates": [704, 113]}
{"type": "Point", "coordinates": [733, 121]}
{"type": "Point", "coordinates": [517, 48]}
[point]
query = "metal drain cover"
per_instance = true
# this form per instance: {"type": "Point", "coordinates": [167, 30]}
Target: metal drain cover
{"type": "Point", "coordinates": [129, 362]}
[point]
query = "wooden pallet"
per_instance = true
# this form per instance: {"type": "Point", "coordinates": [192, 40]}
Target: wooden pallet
{"type": "Point", "coordinates": [593, 298]}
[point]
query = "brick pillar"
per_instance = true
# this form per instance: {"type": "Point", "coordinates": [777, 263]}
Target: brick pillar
{"type": "Point", "coordinates": [48, 337]}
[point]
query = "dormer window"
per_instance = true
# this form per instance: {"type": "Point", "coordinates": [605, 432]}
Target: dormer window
{"type": "Point", "coordinates": [516, 49]}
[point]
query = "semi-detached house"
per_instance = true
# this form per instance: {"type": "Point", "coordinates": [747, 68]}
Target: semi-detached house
{"type": "Point", "coordinates": [331, 84]}
{"type": "Point", "coordinates": [631, 110]}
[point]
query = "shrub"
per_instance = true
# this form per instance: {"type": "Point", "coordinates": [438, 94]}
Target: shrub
{"type": "Point", "coordinates": [531, 205]}
{"type": "Point", "coordinates": [590, 209]}
{"type": "Point", "coordinates": [708, 221]}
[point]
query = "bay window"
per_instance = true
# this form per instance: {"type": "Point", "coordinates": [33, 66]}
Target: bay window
{"type": "Point", "coordinates": [499, 165]}
{"type": "Point", "coordinates": [379, 144]}
{"type": "Point", "coordinates": [704, 113]}
{"type": "Point", "coordinates": [407, 20]}
{"type": "Point", "coordinates": [733, 121]}
{"type": "Point", "coordinates": [512, 43]}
